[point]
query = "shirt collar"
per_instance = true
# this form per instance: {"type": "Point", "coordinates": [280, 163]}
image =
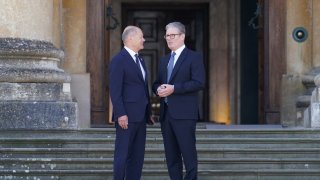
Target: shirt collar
{"type": "Point", "coordinates": [131, 52]}
{"type": "Point", "coordinates": [179, 50]}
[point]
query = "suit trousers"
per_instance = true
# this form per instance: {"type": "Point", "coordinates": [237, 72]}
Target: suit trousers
{"type": "Point", "coordinates": [180, 146]}
{"type": "Point", "coordinates": [129, 151]}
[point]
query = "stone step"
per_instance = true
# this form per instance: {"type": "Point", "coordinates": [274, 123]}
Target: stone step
{"type": "Point", "coordinates": [225, 152]}
{"type": "Point", "coordinates": [268, 174]}
{"type": "Point", "coordinates": [56, 152]}
{"type": "Point", "coordinates": [158, 163]}
{"type": "Point", "coordinates": [243, 163]}
{"type": "Point", "coordinates": [159, 153]}
{"type": "Point", "coordinates": [240, 143]}
{"type": "Point", "coordinates": [213, 131]}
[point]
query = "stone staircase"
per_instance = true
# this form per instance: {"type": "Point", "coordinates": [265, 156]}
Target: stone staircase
{"type": "Point", "coordinates": [224, 154]}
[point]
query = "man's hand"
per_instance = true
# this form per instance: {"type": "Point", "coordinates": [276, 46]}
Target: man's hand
{"type": "Point", "coordinates": [151, 121]}
{"type": "Point", "coordinates": [123, 122]}
{"type": "Point", "coordinates": [165, 90]}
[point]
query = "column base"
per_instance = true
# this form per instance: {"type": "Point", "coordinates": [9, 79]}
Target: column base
{"type": "Point", "coordinates": [38, 115]}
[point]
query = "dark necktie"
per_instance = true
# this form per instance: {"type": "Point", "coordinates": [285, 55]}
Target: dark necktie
{"type": "Point", "coordinates": [137, 60]}
{"type": "Point", "coordinates": [170, 66]}
{"type": "Point", "coordinates": [138, 63]}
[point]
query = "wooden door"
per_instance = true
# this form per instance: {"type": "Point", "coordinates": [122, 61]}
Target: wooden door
{"type": "Point", "coordinates": [152, 19]}
{"type": "Point", "coordinates": [97, 63]}
{"type": "Point", "coordinates": [262, 61]}
{"type": "Point", "coordinates": [274, 57]}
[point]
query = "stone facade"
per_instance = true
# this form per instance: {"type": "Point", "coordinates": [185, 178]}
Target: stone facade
{"type": "Point", "coordinates": [62, 24]}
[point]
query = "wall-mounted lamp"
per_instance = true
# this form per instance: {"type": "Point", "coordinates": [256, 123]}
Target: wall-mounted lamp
{"type": "Point", "coordinates": [300, 34]}
{"type": "Point", "coordinates": [113, 21]}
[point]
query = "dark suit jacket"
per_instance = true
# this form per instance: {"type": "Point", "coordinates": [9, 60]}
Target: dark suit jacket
{"type": "Point", "coordinates": [128, 91]}
{"type": "Point", "coordinates": [188, 77]}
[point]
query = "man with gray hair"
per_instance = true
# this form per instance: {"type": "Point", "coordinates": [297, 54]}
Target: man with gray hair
{"type": "Point", "coordinates": [180, 77]}
{"type": "Point", "coordinates": [131, 105]}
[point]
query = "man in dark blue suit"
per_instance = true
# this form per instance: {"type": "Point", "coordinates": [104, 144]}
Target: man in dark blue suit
{"type": "Point", "coordinates": [180, 77]}
{"type": "Point", "coordinates": [131, 106]}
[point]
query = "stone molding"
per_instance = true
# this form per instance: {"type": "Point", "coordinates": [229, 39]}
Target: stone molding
{"type": "Point", "coordinates": [24, 60]}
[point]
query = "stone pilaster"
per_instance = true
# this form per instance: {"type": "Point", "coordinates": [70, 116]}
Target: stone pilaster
{"type": "Point", "coordinates": [298, 60]}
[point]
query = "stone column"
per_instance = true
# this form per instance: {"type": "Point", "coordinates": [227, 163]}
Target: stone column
{"type": "Point", "coordinates": [34, 92]}
{"type": "Point", "coordinates": [30, 19]}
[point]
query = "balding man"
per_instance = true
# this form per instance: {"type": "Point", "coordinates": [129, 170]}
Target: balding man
{"type": "Point", "coordinates": [131, 106]}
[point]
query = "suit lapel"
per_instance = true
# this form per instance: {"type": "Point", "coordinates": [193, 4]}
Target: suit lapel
{"type": "Point", "coordinates": [146, 76]}
{"type": "Point", "coordinates": [132, 63]}
{"type": "Point", "coordinates": [165, 68]}
{"type": "Point", "coordinates": [178, 63]}
{"type": "Point", "coordinates": [144, 68]}
{"type": "Point", "coordinates": [137, 69]}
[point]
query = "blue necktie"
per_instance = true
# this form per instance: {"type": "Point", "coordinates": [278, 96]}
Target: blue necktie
{"type": "Point", "coordinates": [170, 66]}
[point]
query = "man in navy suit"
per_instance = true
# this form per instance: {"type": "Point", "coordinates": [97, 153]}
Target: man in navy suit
{"type": "Point", "coordinates": [131, 106]}
{"type": "Point", "coordinates": [180, 77]}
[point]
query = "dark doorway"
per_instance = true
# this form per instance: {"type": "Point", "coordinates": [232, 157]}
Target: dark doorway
{"type": "Point", "coordinates": [152, 19]}
{"type": "Point", "coordinates": [249, 106]}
